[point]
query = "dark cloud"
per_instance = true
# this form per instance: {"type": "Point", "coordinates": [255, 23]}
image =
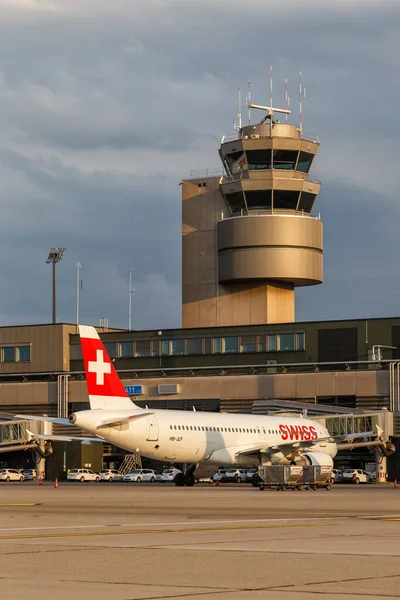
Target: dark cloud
{"type": "Point", "coordinates": [106, 106]}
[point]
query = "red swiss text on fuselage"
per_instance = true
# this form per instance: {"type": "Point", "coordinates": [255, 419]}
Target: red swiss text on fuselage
{"type": "Point", "coordinates": [298, 432]}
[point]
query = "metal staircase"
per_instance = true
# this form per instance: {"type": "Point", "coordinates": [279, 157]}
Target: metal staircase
{"type": "Point", "coordinates": [130, 462]}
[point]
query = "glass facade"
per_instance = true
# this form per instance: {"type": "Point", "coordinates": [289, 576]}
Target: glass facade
{"type": "Point", "coordinates": [307, 201]}
{"type": "Point", "coordinates": [286, 199]}
{"type": "Point", "coordinates": [304, 162]}
{"type": "Point", "coordinates": [259, 199]}
{"type": "Point", "coordinates": [236, 202]}
{"type": "Point", "coordinates": [194, 346]}
{"type": "Point", "coordinates": [258, 159]}
{"type": "Point", "coordinates": [232, 344]}
{"type": "Point", "coordinates": [142, 348]}
{"type": "Point", "coordinates": [284, 159]}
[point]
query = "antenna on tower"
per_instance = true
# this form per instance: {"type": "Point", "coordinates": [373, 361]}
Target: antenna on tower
{"type": "Point", "coordinates": [301, 102]}
{"type": "Point", "coordinates": [270, 88]}
{"type": "Point", "coordinates": [239, 114]}
{"type": "Point", "coordinates": [248, 99]}
{"type": "Point", "coordinates": [286, 99]}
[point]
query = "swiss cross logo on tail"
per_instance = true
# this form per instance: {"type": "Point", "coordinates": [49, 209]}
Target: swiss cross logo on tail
{"type": "Point", "coordinates": [99, 367]}
{"type": "Point", "coordinates": [102, 379]}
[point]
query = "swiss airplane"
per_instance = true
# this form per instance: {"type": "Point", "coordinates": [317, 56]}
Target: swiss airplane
{"type": "Point", "coordinates": [202, 439]}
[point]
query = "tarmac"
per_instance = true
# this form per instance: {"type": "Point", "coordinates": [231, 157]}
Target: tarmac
{"type": "Point", "coordinates": [144, 541]}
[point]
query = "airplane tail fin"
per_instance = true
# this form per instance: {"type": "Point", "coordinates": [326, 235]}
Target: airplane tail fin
{"type": "Point", "coordinates": [104, 386]}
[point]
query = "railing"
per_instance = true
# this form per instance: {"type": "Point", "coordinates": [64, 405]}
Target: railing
{"type": "Point", "coordinates": [248, 369]}
{"type": "Point", "coordinates": [206, 173]}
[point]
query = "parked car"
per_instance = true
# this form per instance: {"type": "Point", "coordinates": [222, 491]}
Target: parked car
{"type": "Point", "coordinates": [169, 474]}
{"type": "Point", "coordinates": [236, 475]}
{"type": "Point", "coordinates": [82, 475]}
{"type": "Point", "coordinates": [250, 473]}
{"type": "Point", "coordinates": [219, 475]}
{"type": "Point", "coordinates": [355, 476]}
{"type": "Point", "coordinates": [372, 475]}
{"type": "Point", "coordinates": [110, 475]}
{"type": "Point", "coordinates": [139, 475]}
{"type": "Point", "coordinates": [29, 474]}
{"type": "Point", "coordinates": [337, 476]}
{"type": "Point", "coordinates": [11, 475]}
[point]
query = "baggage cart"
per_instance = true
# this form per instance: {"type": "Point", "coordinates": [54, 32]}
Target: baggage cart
{"type": "Point", "coordinates": [280, 477]}
{"type": "Point", "coordinates": [294, 477]}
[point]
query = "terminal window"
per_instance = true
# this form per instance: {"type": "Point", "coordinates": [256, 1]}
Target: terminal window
{"type": "Point", "coordinates": [15, 354]}
{"type": "Point", "coordinates": [285, 159]}
{"type": "Point", "coordinates": [142, 348]}
{"type": "Point", "coordinates": [126, 349]}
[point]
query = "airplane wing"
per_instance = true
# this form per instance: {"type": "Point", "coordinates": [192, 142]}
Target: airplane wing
{"type": "Point", "coordinates": [284, 447]}
{"type": "Point", "coordinates": [66, 438]}
{"type": "Point", "coordinates": [298, 444]}
{"type": "Point", "coordinates": [120, 420]}
{"type": "Point", "coordinates": [56, 420]}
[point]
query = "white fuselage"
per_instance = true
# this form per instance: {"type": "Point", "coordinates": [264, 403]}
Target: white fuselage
{"type": "Point", "coordinates": [204, 437]}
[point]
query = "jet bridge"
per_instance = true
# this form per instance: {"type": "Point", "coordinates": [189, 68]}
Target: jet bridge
{"type": "Point", "coordinates": [18, 435]}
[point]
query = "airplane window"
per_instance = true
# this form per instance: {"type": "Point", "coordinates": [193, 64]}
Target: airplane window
{"type": "Point", "coordinates": [170, 426]}
{"type": "Point", "coordinates": [187, 427]}
{"type": "Point", "coordinates": [202, 428]}
{"type": "Point", "coordinates": [214, 429]}
{"type": "Point", "coordinates": [179, 426]}
{"type": "Point", "coordinates": [229, 429]}
{"type": "Point", "coordinates": [191, 429]}
{"type": "Point", "coordinates": [236, 429]}
{"type": "Point", "coordinates": [174, 426]}
{"type": "Point", "coordinates": [194, 427]}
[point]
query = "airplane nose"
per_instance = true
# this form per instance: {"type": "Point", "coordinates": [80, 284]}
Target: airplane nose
{"type": "Point", "coordinates": [72, 418]}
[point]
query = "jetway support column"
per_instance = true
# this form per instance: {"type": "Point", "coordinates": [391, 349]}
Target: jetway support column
{"type": "Point", "coordinates": [40, 454]}
{"type": "Point", "coordinates": [381, 466]}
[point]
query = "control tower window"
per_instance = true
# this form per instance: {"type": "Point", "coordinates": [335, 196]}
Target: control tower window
{"type": "Point", "coordinates": [285, 159]}
{"type": "Point", "coordinates": [236, 202]}
{"type": "Point", "coordinates": [305, 160]}
{"type": "Point", "coordinates": [237, 161]}
{"type": "Point", "coordinates": [307, 201]}
{"type": "Point", "coordinates": [285, 199]}
{"type": "Point", "coordinates": [259, 200]}
{"type": "Point", "coordinates": [258, 159]}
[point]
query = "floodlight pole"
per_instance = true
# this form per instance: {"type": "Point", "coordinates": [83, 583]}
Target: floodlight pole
{"type": "Point", "coordinates": [54, 257]}
{"type": "Point", "coordinates": [54, 290]}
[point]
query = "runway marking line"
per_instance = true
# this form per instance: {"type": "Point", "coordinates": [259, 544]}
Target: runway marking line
{"type": "Point", "coordinates": [20, 504]}
{"type": "Point", "coordinates": [146, 531]}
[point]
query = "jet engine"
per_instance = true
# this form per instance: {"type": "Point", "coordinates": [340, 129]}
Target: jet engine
{"type": "Point", "coordinates": [316, 459]}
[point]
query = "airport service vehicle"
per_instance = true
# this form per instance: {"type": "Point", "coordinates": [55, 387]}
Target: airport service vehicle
{"type": "Point", "coordinates": [355, 476]}
{"type": "Point", "coordinates": [29, 474]}
{"type": "Point", "coordinates": [169, 474]}
{"type": "Point", "coordinates": [11, 475]}
{"type": "Point", "coordinates": [337, 476]}
{"type": "Point", "coordinates": [236, 475]}
{"type": "Point", "coordinates": [139, 475]}
{"type": "Point", "coordinates": [110, 475]}
{"type": "Point", "coordinates": [201, 439]}
{"type": "Point", "coordinates": [82, 475]}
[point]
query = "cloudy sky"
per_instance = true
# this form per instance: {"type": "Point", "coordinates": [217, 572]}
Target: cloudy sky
{"type": "Point", "coordinates": [105, 105]}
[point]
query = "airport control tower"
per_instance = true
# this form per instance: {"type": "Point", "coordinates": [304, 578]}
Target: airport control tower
{"type": "Point", "coordinates": [248, 237]}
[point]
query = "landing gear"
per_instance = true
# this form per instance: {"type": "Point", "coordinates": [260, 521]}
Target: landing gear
{"type": "Point", "coordinates": [186, 479]}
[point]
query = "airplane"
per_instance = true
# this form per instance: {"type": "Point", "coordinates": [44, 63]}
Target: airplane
{"type": "Point", "coordinates": [204, 440]}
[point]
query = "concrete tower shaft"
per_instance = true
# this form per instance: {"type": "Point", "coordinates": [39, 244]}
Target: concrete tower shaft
{"type": "Point", "coordinates": [249, 238]}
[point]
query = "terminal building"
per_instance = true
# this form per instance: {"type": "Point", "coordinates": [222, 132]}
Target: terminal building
{"type": "Point", "coordinates": [249, 238]}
